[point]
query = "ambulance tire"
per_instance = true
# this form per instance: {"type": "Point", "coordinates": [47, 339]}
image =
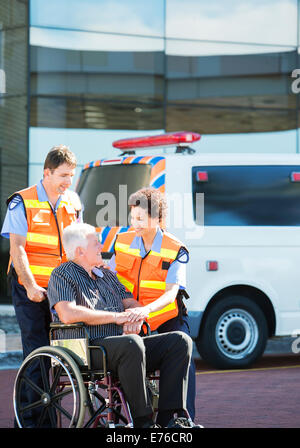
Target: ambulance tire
{"type": "Point", "coordinates": [233, 334]}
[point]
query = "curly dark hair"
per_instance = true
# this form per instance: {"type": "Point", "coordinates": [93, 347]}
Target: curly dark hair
{"type": "Point", "coordinates": [150, 199]}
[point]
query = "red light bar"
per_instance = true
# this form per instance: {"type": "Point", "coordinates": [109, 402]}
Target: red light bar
{"type": "Point", "coordinates": [295, 176]}
{"type": "Point", "coordinates": [202, 176]}
{"type": "Point", "coordinates": [175, 139]}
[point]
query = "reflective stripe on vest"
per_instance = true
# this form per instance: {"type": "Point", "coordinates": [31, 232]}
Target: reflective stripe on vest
{"type": "Point", "coordinates": [41, 270]}
{"type": "Point", "coordinates": [171, 306]}
{"type": "Point", "coordinates": [125, 282]}
{"type": "Point", "coordinates": [166, 253]}
{"type": "Point", "coordinates": [35, 203]}
{"type": "Point", "coordinates": [154, 284]}
{"type": "Point", "coordinates": [126, 249]}
{"type": "Point", "coordinates": [43, 239]}
{"type": "Point", "coordinates": [145, 278]}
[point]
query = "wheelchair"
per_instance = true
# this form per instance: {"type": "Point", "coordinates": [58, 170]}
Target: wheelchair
{"type": "Point", "coordinates": [71, 394]}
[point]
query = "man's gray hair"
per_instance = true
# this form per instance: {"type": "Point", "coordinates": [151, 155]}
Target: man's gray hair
{"type": "Point", "coordinates": [75, 235]}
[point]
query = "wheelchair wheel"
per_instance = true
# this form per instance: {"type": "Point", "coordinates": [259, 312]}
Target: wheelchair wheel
{"type": "Point", "coordinates": [49, 390]}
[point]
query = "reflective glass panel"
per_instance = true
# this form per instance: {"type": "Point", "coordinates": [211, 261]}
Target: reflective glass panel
{"type": "Point", "coordinates": [222, 119]}
{"type": "Point", "coordinates": [63, 112]}
{"type": "Point", "coordinates": [231, 93]}
{"type": "Point", "coordinates": [107, 75]}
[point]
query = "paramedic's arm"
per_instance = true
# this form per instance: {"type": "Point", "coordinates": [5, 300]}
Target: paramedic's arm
{"type": "Point", "coordinates": [130, 302]}
{"type": "Point", "coordinates": [135, 314]}
{"type": "Point", "coordinates": [35, 293]}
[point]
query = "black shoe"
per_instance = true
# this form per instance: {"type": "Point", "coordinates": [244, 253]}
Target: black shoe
{"type": "Point", "coordinates": [182, 422]}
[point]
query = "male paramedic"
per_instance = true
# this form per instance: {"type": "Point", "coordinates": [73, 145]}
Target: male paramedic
{"type": "Point", "coordinates": [33, 223]}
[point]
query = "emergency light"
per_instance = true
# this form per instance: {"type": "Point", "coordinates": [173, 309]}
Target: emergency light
{"type": "Point", "coordinates": [178, 139]}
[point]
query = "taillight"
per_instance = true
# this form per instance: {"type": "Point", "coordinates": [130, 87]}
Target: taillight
{"type": "Point", "coordinates": [202, 176]}
{"type": "Point", "coordinates": [212, 266]}
{"type": "Point", "coordinates": [295, 176]}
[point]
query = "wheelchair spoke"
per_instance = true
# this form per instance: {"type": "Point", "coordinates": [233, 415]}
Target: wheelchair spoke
{"type": "Point", "coordinates": [34, 386]}
{"type": "Point", "coordinates": [62, 394]}
{"type": "Point", "coordinates": [45, 374]}
{"type": "Point", "coordinates": [42, 417]}
{"type": "Point", "coordinates": [52, 415]}
{"type": "Point", "coordinates": [56, 379]}
{"type": "Point", "coordinates": [62, 410]}
{"type": "Point", "coordinates": [30, 406]}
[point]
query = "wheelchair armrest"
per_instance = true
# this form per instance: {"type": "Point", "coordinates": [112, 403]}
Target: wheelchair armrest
{"type": "Point", "coordinates": [60, 325]}
{"type": "Point", "coordinates": [76, 325]}
{"type": "Point", "coordinates": [100, 347]}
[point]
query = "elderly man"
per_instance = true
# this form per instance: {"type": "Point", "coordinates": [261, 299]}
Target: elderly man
{"type": "Point", "coordinates": [81, 291]}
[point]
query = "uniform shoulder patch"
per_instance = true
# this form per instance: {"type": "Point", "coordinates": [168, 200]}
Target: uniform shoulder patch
{"type": "Point", "coordinates": [14, 202]}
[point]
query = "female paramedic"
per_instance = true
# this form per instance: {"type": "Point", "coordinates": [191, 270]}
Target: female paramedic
{"type": "Point", "coordinates": [151, 264]}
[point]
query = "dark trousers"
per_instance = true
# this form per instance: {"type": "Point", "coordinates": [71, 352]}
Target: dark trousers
{"type": "Point", "coordinates": [178, 324]}
{"type": "Point", "coordinates": [34, 322]}
{"type": "Point", "coordinates": [130, 357]}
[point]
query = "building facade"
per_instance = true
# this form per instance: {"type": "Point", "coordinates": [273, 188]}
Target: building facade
{"type": "Point", "coordinates": [87, 73]}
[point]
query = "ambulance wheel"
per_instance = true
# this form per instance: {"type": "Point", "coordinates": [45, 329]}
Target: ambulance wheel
{"type": "Point", "coordinates": [233, 334]}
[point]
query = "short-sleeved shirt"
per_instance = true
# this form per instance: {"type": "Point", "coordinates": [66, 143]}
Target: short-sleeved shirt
{"type": "Point", "coordinates": [71, 282]}
{"type": "Point", "coordinates": [177, 270]}
{"type": "Point", "coordinates": [15, 219]}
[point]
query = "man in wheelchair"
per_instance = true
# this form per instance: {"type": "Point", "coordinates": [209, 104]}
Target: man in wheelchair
{"type": "Point", "coordinates": [83, 290]}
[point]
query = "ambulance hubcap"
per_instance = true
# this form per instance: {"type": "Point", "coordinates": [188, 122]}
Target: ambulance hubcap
{"type": "Point", "coordinates": [236, 333]}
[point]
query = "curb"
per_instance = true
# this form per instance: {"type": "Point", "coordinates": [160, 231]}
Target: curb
{"type": "Point", "coordinates": [7, 310]}
{"type": "Point", "coordinates": [11, 360]}
{"type": "Point", "coordinates": [13, 357]}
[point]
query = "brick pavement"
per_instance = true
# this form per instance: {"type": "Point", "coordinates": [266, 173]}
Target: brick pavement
{"type": "Point", "coordinates": [267, 396]}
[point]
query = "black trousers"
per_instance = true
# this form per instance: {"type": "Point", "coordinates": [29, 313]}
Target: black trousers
{"type": "Point", "coordinates": [130, 357]}
{"type": "Point", "coordinates": [34, 321]}
{"type": "Point", "coordinates": [177, 324]}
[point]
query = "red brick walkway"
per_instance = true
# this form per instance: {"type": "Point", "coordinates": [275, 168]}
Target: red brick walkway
{"type": "Point", "coordinates": [267, 396]}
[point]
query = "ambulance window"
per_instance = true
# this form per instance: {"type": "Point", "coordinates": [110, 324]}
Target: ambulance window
{"type": "Point", "coordinates": [104, 191]}
{"type": "Point", "coordinates": [248, 195]}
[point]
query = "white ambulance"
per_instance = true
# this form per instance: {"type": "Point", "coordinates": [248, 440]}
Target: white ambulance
{"type": "Point", "coordinates": [239, 216]}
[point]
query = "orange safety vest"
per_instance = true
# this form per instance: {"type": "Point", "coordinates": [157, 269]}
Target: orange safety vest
{"type": "Point", "coordinates": [146, 277]}
{"type": "Point", "coordinates": [43, 241]}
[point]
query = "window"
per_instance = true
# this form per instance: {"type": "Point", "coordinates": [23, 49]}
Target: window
{"type": "Point", "coordinates": [104, 191]}
{"type": "Point", "coordinates": [248, 195]}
